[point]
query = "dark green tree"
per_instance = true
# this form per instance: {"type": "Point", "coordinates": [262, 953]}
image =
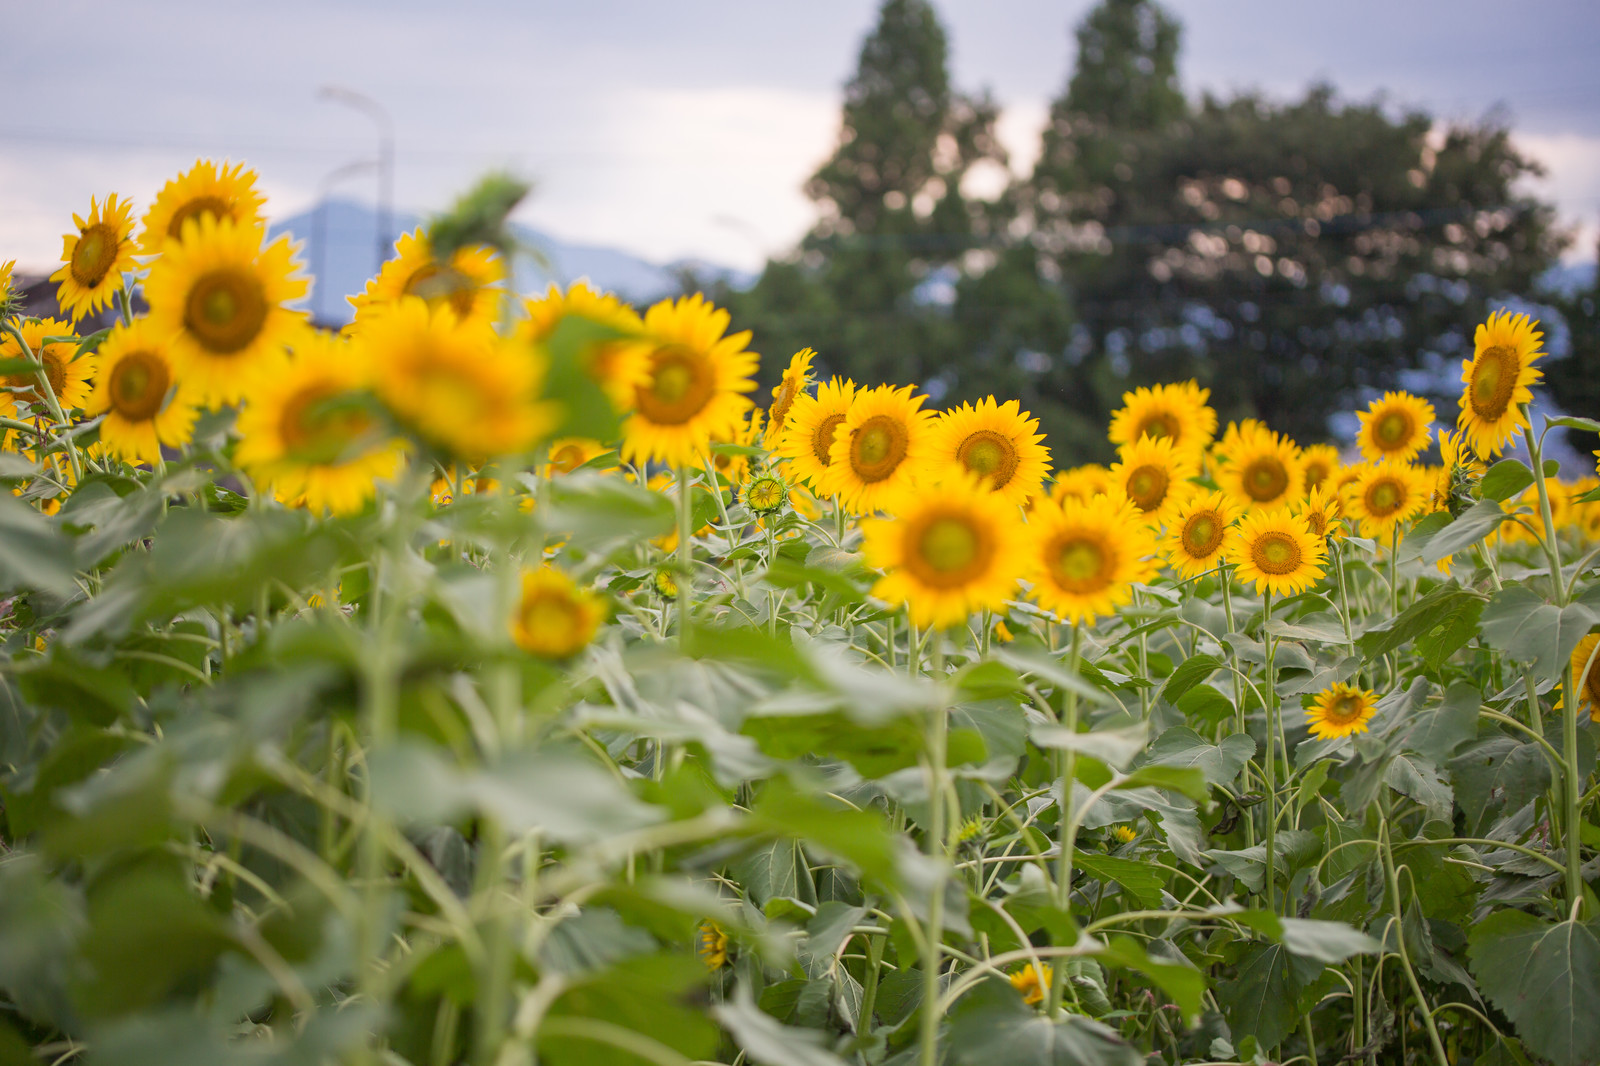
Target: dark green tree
{"type": "Point", "coordinates": [1574, 380]}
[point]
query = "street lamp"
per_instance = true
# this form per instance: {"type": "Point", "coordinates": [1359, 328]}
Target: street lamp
{"type": "Point", "coordinates": [375, 111]}
{"type": "Point", "coordinates": [319, 228]}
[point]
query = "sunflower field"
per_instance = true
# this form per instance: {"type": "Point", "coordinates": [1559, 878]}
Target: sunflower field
{"type": "Point", "coordinates": [503, 681]}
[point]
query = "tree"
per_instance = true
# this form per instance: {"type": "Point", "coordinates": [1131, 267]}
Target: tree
{"type": "Point", "coordinates": [1574, 381]}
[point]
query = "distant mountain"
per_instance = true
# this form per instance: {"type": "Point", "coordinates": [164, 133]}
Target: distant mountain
{"type": "Point", "coordinates": [340, 251]}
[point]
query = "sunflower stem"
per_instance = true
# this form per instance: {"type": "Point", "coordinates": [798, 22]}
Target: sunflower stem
{"type": "Point", "coordinates": [1400, 941]}
{"type": "Point", "coordinates": [928, 1054]}
{"type": "Point", "coordinates": [1270, 696]}
{"type": "Point", "coordinates": [51, 400]}
{"type": "Point", "coordinates": [685, 557]}
{"type": "Point", "coordinates": [1066, 835]}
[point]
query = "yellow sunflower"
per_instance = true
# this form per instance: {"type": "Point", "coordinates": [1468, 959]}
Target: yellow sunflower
{"type": "Point", "coordinates": [1319, 462]}
{"type": "Point", "coordinates": [1228, 443]}
{"type": "Point", "coordinates": [1587, 684]}
{"type": "Point", "coordinates": [998, 443]}
{"type": "Point", "coordinates": [734, 467]}
{"type": "Point", "coordinates": [1085, 555]}
{"type": "Point", "coordinates": [694, 384]}
{"type": "Point", "coordinates": [946, 555]}
{"type": "Point", "coordinates": [618, 366]}
{"type": "Point", "coordinates": [68, 376]}
{"type": "Point", "coordinates": [5, 280]}
{"type": "Point", "coordinates": [220, 296]}
{"type": "Point", "coordinates": [1277, 551]}
{"type": "Point", "coordinates": [1199, 529]}
{"type": "Point", "coordinates": [1323, 511]}
{"type": "Point", "coordinates": [1398, 427]}
{"type": "Point", "coordinates": [796, 379]}
{"type": "Point", "coordinates": [138, 393]}
{"type": "Point", "coordinates": [204, 189]}
{"type": "Point", "coordinates": [711, 944]}
{"type": "Point", "coordinates": [468, 284]}
{"type": "Point", "coordinates": [1459, 471]}
{"type": "Point", "coordinates": [1498, 379]}
{"type": "Point", "coordinates": [1034, 981]}
{"type": "Point", "coordinates": [1177, 413]}
{"type": "Point", "coordinates": [309, 433]}
{"type": "Point", "coordinates": [1262, 469]}
{"type": "Point", "coordinates": [1081, 483]}
{"type": "Point", "coordinates": [555, 618]}
{"type": "Point", "coordinates": [1388, 494]}
{"type": "Point", "coordinates": [94, 258]}
{"type": "Point", "coordinates": [569, 453]}
{"type": "Point", "coordinates": [882, 446]}
{"type": "Point", "coordinates": [1340, 711]}
{"type": "Point", "coordinates": [457, 384]}
{"type": "Point", "coordinates": [807, 438]}
{"type": "Point", "coordinates": [1154, 474]}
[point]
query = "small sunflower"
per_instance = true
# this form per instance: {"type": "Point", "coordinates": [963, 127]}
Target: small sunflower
{"type": "Point", "coordinates": [1081, 483]}
{"type": "Point", "coordinates": [1198, 532]}
{"type": "Point", "coordinates": [1176, 413]}
{"type": "Point", "coordinates": [946, 555]}
{"type": "Point", "coordinates": [139, 394]}
{"type": "Point", "coordinates": [1587, 684]}
{"type": "Point", "coordinates": [308, 432]}
{"type": "Point", "coordinates": [796, 379]}
{"type": "Point", "coordinates": [1389, 493]}
{"type": "Point", "coordinates": [1033, 981]}
{"type": "Point", "coordinates": [1319, 462]}
{"type": "Point", "coordinates": [555, 618]}
{"type": "Point", "coordinates": [666, 584]}
{"type": "Point", "coordinates": [1085, 555]}
{"type": "Point", "coordinates": [1498, 379]}
{"type": "Point", "coordinates": [1340, 711]}
{"type": "Point", "coordinates": [880, 448]}
{"type": "Point", "coordinates": [806, 441]}
{"type": "Point", "coordinates": [1397, 426]}
{"type": "Point", "coordinates": [1262, 469]}
{"type": "Point", "coordinates": [1277, 551]}
{"type": "Point", "coordinates": [204, 189]}
{"type": "Point", "coordinates": [1457, 476]}
{"type": "Point", "coordinates": [6, 269]}
{"type": "Point", "coordinates": [68, 376]}
{"type": "Point", "coordinates": [569, 453]}
{"type": "Point", "coordinates": [765, 494]}
{"type": "Point", "coordinates": [1125, 834]}
{"type": "Point", "coordinates": [1323, 511]}
{"type": "Point", "coordinates": [693, 389]}
{"type": "Point", "coordinates": [617, 365]}
{"type": "Point", "coordinates": [1155, 474]}
{"type": "Point", "coordinates": [711, 945]}
{"type": "Point", "coordinates": [468, 284]}
{"type": "Point", "coordinates": [95, 257]}
{"type": "Point", "coordinates": [997, 443]}
{"type": "Point", "coordinates": [220, 296]}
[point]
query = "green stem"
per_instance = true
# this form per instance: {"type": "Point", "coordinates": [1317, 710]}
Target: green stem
{"type": "Point", "coordinates": [1066, 772]}
{"type": "Point", "coordinates": [685, 556]}
{"type": "Point", "coordinates": [1400, 940]}
{"type": "Point", "coordinates": [938, 851]}
{"type": "Point", "coordinates": [1270, 697]}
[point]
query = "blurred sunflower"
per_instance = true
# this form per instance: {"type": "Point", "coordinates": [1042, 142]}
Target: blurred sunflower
{"type": "Point", "coordinates": [1034, 981]}
{"type": "Point", "coordinates": [711, 944]}
{"type": "Point", "coordinates": [1586, 676]}
{"type": "Point", "coordinates": [997, 443]}
{"type": "Point", "coordinates": [1388, 494]}
{"type": "Point", "coordinates": [1199, 529]}
{"type": "Point", "coordinates": [880, 448]}
{"type": "Point", "coordinates": [1323, 511]}
{"type": "Point", "coordinates": [693, 386]}
{"type": "Point", "coordinates": [617, 364]}
{"type": "Point", "coordinates": [569, 453]}
{"type": "Point", "coordinates": [468, 284]}
{"type": "Point", "coordinates": [1277, 551]}
{"type": "Point", "coordinates": [95, 257]}
{"type": "Point", "coordinates": [204, 189]}
{"type": "Point", "coordinates": [6, 269]}
{"type": "Point", "coordinates": [1340, 711]}
{"type": "Point", "coordinates": [734, 467]}
{"type": "Point", "coordinates": [807, 439]}
{"type": "Point", "coordinates": [138, 393]}
{"type": "Point", "coordinates": [1081, 483]}
{"type": "Point", "coordinates": [1262, 469]}
{"type": "Point", "coordinates": [1498, 379]}
{"type": "Point", "coordinates": [1318, 461]}
{"type": "Point", "coordinates": [1155, 474]}
{"type": "Point", "coordinates": [946, 555]}
{"type": "Point", "coordinates": [1457, 476]}
{"type": "Point", "coordinates": [555, 618]}
{"type": "Point", "coordinates": [1085, 555]}
{"type": "Point", "coordinates": [1177, 413]}
{"type": "Point", "coordinates": [796, 379]}
{"type": "Point", "coordinates": [220, 296]}
{"type": "Point", "coordinates": [68, 376]}
{"type": "Point", "coordinates": [1397, 426]}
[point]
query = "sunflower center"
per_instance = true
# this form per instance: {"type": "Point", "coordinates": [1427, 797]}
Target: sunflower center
{"type": "Point", "coordinates": [549, 620]}
{"type": "Point", "coordinates": [1158, 425]}
{"type": "Point", "coordinates": [1316, 473]}
{"type": "Point", "coordinates": [1202, 534]}
{"type": "Point", "coordinates": [1265, 478]}
{"type": "Point", "coordinates": [1384, 497]}
{"type": "Point", "coordinates": [138, 386]}
{"type": "Point", "coordinates": [989, 455]}
{"type": "Point", "coordinates": [680, 387]}
{"type": "Point", "coordinates": [1394, 430]}
{"type": "Point", "coordinates": [225, 310]}
{"type": "Point", "coordinates": [1081, 564]}
{"type": "Point", "coordinates": [438, 282]}
{"type": "Point", "coordinates": [1591, 686]}
{"type": "Point", "coordinates": [1494, 379]}
{"type": "Point", "coordinates": [1275, 554]}
{"type": "Point", "coordinates": [822, 438]}
{"type": "Point", "coordinates": [764, 494]}
{"type": "Point", "coordinates": [198, 208]}
{"type": "Point", "coordinates": [96, 251]}
{"type": "Point", "coordinates": [1342, 710]}
{"type": "Point", "coordinates": [877, 448]}
{"type": "Point", "coordinates": [1317, 519]}
{"type": "Point", "coordinates": [1147, 486]}
{"type": "Point", "coordinates": [320, 423]}
{"type": "Point", "coordinates": [25, 386]}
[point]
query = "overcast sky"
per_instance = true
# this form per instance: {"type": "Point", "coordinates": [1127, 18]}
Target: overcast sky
{"type": "Point", "coordinates": [683, 128]}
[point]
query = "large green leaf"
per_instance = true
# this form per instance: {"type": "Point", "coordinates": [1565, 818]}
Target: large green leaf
{"type": "Point", "coordinates": [1436, 609]}
{"type": "Point", "coordinates": [1262, 999]}
{"type": "Point", "coordinates": [1543, 975]}
{"type": "Point", "coordinates": [1221, 763]}
{"type": "Point", "coordinates": [767, 1041]}
{"type": "Point", "coordinates": [992, 1025]}
{"type": "Point", "coordinates": [1520, 623]}
{"type": "Point", "coordinates": [33, 554]}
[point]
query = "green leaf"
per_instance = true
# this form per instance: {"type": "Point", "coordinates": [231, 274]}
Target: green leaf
{"type": "Point", "coordinates": [1142, 881]}
{"type": "Point", "coordinates": [585, 409]}
{"type": "Point", "coordinates": [33, 554]}
{"type": "Point", "coordinates": [1323, 941]}
{"type": "Point", "coordinates": [1190, 672]}
{"type": "Point", "coordinates": [767, 1041]}
{"type": "Point", "coordinates": [991, 1025]}
{"type": "Point", "coordinates": [1498, 774]}
{"type": "Point", "coordinates": [1180, 980]}
{"type": "Point", "coordinates": [1520, 623]}
{"type": "Point", "coordinates": [1434, 609]}
{"type": "Point", "coordinates": [1543, 976]}
{"type": "Point", "coordinates": [1505, 479]}
{"type": "Point", "coordinates": [1588, 425]}
{"type": "Point", "coordinates": [1114, 747]}
{"type": "Point", "coordinates": [602, 512]}
{"type": "Point", "coordinates": [1450, 632]}
{"type": "Point", "coordinates": [1261, 999]}
{"type": "Point", "coordinates": [640, 1002]}
{"type": "Point", "coordinates": [1185, 781]}
{"type": "Point", "coordinates": [1438, 731]}
{"type": "Point", "coordinates": [1416, 777]}
{"type": "Point", "coordinates": [861, 836]}
{"type": "Point", "coordinates": [1221, 763]}
{"type": "Point", "coordinates": [1467, 529]}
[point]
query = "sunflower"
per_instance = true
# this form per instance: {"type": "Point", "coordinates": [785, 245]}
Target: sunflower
{"type": "Point", "coordinates": [138, 393]}
{"type": "Point", "coordinates": [220, 296]}
{"type": "Point", "coordinates": [308, 432]}
{"type": "Point", "coordinates": [1176, 413]}
{"type": "Point", "coordinates": [1262, 468]}
{"type": "Point", "coordinates": [881, 447]}
{"type": "Point", "coordinates": [204, 189]}
{"type": "Point", "coordinates": [67, 372]}
{"type": "Point", "coordinates": [691, 392]}
{"type": "Point", "coordinates": [945, 555]}
{"type": "Point", "coordinates": [1457, 475]}
{"type": "Point", "coordinates": [765, 494]}
{"type": "Point", "coordinates": [94, 258]}
{"type": "Point", "coordinates": [569, 453]}
{"type": "Point", "coordinates": [1319, 462]}
{"type": "Point", "coordinates": [1587, 684]}
{"type": "Point", "coordinates": [1085, 555]}
{"type": "Point", "coordinates": [796, 379]}
{"type": "Point", "coordinates": [734, 467]}
{"type": "Point", "coordinates": [618, 365]}
{"type": "Point", "coordinates": [555, 618]}
{"type": "Point", "coordinates": [1497, 380]}
{"type": "Point", "coordinates": [1323, 511]}
{"type": "Point", "coordinates": [1198, 531]}
{"type": "Point", "coordinates": [1228, 443]}
{"type": "Point", "coordinates": [711, 944]}
{"type": "Point", "coordinates": [1033, 981]}
{"type": "Point", "coordinates": [1340, 711]}
{"type": "Point", "coordinates": [467, 284]}
{"type": "Point", "coordinates": [1277, 551]}
{"type": "Point", "coordinates": [5, 280]}
{"type": "Point", "coordinates": [1398, 426]}
{"type": "Point", "coordinates": [1081, 483]}
{"type": "Point", "coordinates": [1388, 494]}
{"type": "Point", "coordinates": [997, 443]}
{"type": "Point", "coordinates": [1155, 474]}
{"type": "Point", "coordinates": [806, 441]}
